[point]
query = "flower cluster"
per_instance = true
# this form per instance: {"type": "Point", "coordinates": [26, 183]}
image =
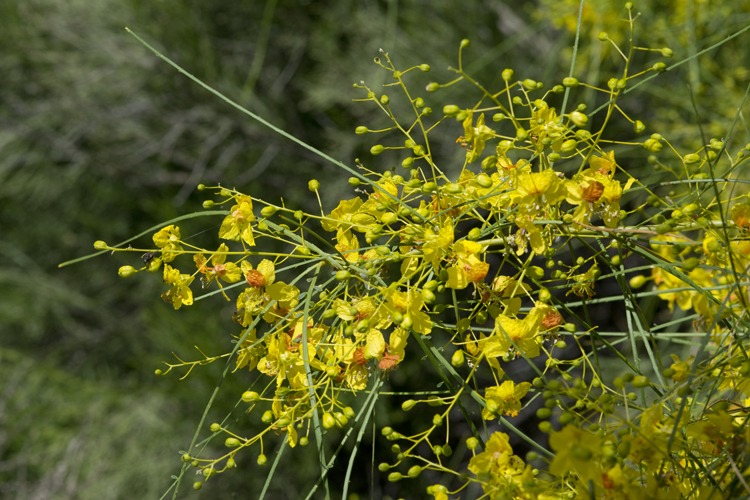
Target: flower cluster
{"type": "Point", "coordinates": [521, 233]}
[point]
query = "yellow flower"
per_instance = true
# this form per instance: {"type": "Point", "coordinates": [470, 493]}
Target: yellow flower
{"type": "Point", "coordinates": [468, 268]}
{"type": "Point", "coordinates": [227, 271]}
{"type": "Point", "coordinates": [595, 190]}
{"type": "Point", "coordinates": [409, 306]}
{"type": "Point", "coordinates": [168, 239]}
{"type": "Point", "coordinates": [510, 331]}
{"type": "Point", "coordinates": [575, 449]}
{"type": "Point", "coordinates": [347, 245]}
{"type": "Point", "coordinates": [248, 353]}
{"type": "Point", "coordinates": [507, 396]}
{"type": "Point", "coordinates": [436, 246]}
{"type": "Point", "coordinates": [497, 457]}
{"type": "Point", "coordinates": [238, 223]}
{"type": "Point", "coordinates": [180, 293]}
{"type": "Point", "coordinates": [476, 135]}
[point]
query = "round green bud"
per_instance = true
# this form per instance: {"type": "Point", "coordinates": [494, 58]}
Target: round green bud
{"type": "Point", "coordinates": [451, 110]}
{"type": "Point", "coordinates": [489, 164]}
{"type": "Point", "coordinates": [268, 211]}
{"type": "Point", "coordinates": [507, 74]}
{"type": "Point", "coordinates": [232, 442]}
{"type": "Point", "coordinates": [384, 99]}
{"type": "Point", "coordinates": [250, 396]}
{"type": "Point", "coordinates": [434, 401]}
{"type": "Point", "coordinates": [641, 381]}
{"type": "Point", "coordinates": [343, 275]}
{"type": "Point", "coordinates": [267, 417]}
{"type": "Point", "coordinates": [262, 460]}
{"type": "Point", "coordinates": [570, 82]}
{"type": "Point", "coordinates": [395, 477]}
{"type": "Point", "coordinates": [186, 458]}
{"type": "Point", "coordinates": [386, 431]}
{"type": "Point", "coordinates": [558, 89]}
{"type": "Point", "coordinates": [603, 36]}
{"type": "Point", "coordinates": [522, 134]}
{"type": "Point", "coordinates": [427, 111]}
{"type": "Point", "coordinates": [429, 187]}
{"type": "Point", "coordinates": [690, 263]}
{"type": "Point", "coordinates": [215, 427]}
{"type": "Point", "coordinates": [458, 358]}
{"type": "Point", "coordinates": [580, 453]}
{"type": "Point", "coordinates": [153, 265]}
{"type": "Point", "coordinates": [419, 103]}
{"type": "Point", "coordinates": [408, 404]}
{"type": "Point", "coordinates": [653, 145]}
{"type": "Point", "coordinates": [545, 427]}
{"type": "Point", "coordinates": [197, 485]}
{"type": "Point", "coordinates": [660, 67]}
{"type": "Point", "coordinates": [544, 413]}
{"type": "Point", "coordinates": [561, 344]}
{"type": "Point", "coordinates": [583, 135]}
{"type": "Point", "coordinates": [349, 412]}
{"type": "Point", "coordinates": [553, 157]}
{"type": "Point", "coordinates": [437, 420]}
{"type": "Point", "coordinates": [414, 471]}
{"type": "Point", "coordinates": [569, 146]}
{"type": "Point", "coordinates": [465, 43]}
{"type": "Point", "coordinates": [201, 187]}
{"type": "Point", "coordinates": [628, 5]}
{"type": "Point", "coordinates": [100, 245]}
{"type": "Point", "coordinates": [424, 67]}
{"type": "Point", "coordinates": [383, 467]}
{"type": "Point", "coordinates": [341, 419]}
{"type": "Point", "coordinates": [637, 282]}
{"type": "Point", "coordinates": [579, 119]}
{"type": "Point", "coordinates": [432, 87]}
{"type": "Point", "coordinates": [475, 234]}
{"type": "Point", "coordinates": [361, 130]}
{"type": "Point", "coordinates": [667, 52]}
{"type": "Point", "coordinates": [484, 180]}
{"type": "Point", "coordinates": [329, 422]}
{"type": "Point", "coordinates": [472, 443]}
{"type": "Point", "coordinates": [375, 150]}
{"type": "Point", "coordinates": [529, 84]}
{"type": "Point", "coordinates": [126, 271]}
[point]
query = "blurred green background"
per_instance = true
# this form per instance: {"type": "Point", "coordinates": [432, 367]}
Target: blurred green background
{"type": "Point", "coordinates": [99, 139]}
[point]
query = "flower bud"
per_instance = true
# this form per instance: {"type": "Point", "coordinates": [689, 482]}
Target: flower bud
{"type": "Point", "coordinates": [361, 130]}
{"type": "Point", "coordinates": [570, 82]}
{"type": "Point", "coordinates": [603, 36]}
{"type": "Point", "coordinates": [250, 396]}
{"type": "Point", "coordinates": [354, 181]}
{"type": "Point", "coordinates": [529, 84]}
{"type": "Point", "coordinates": [451, 110]}
{"type": "Point", "coordinates": [474, 234]}
{"type": "Point", "coordinates": [432, 87]}
{"type": "Point", "coordinates": [569, 146]}
{"type": "Point", "coordinates": [100, 245]}
{"type": "Point", "coordinates": [408, 404]}
{"type": "Point", "coordinates": [376, 150]}
{"type": "Point", "coordinates": [507, 74]}
{"type": "Point", "coordinates": [579, 119]}
{"type": "Point", "coordinates": [262, 460]}
{"type": "Point", "coordinates": [126, 271]}
{"type": "Point", "coordinates": [329, 422]}
{"type": "Point", "coordinates": [660, 67]}
{"type": "Point", "coordinates": [208, 204]}
{"type": "Point", "coordinates": [395, 477]}
{"type": "Point", "coordinates": [465, 43]}
{"type": "Point", "coordinates": [268, 211]}
{"type": "Point", "coordinates": [232, 442]}
{"type": "Point", "coordinates": [667, 52]}
{"type": "Point", "coordinates": [458, 359]}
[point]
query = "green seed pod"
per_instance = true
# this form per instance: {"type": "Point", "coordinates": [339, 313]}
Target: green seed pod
{"type": "Point", "coordinates": [451, 110]}
{"type": "Point", "coordinates": [458, 359]}
{"type": "Point", "coordinates": [570, 82]}
{"type": "Point", "coordinates": [250, 396]}
{"type": "Point", "coordinates": [507, 74]}
{"type": "Point", "coordinates": [489, 164]}
{"type": "Point", "coordinates": [126, 271]}
{"type": "Point", "coordinates": [579, 119]}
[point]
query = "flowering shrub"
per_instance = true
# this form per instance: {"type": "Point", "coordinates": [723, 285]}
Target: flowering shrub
{"type": "Point", "coordinates": [476, 265]}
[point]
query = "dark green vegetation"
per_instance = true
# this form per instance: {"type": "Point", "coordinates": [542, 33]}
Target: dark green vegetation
{"type": "Point", "coordinates": [101, 140]}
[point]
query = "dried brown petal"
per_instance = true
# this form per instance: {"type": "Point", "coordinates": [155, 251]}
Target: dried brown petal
{"type": "Point", "coordinates": [593, 192]}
